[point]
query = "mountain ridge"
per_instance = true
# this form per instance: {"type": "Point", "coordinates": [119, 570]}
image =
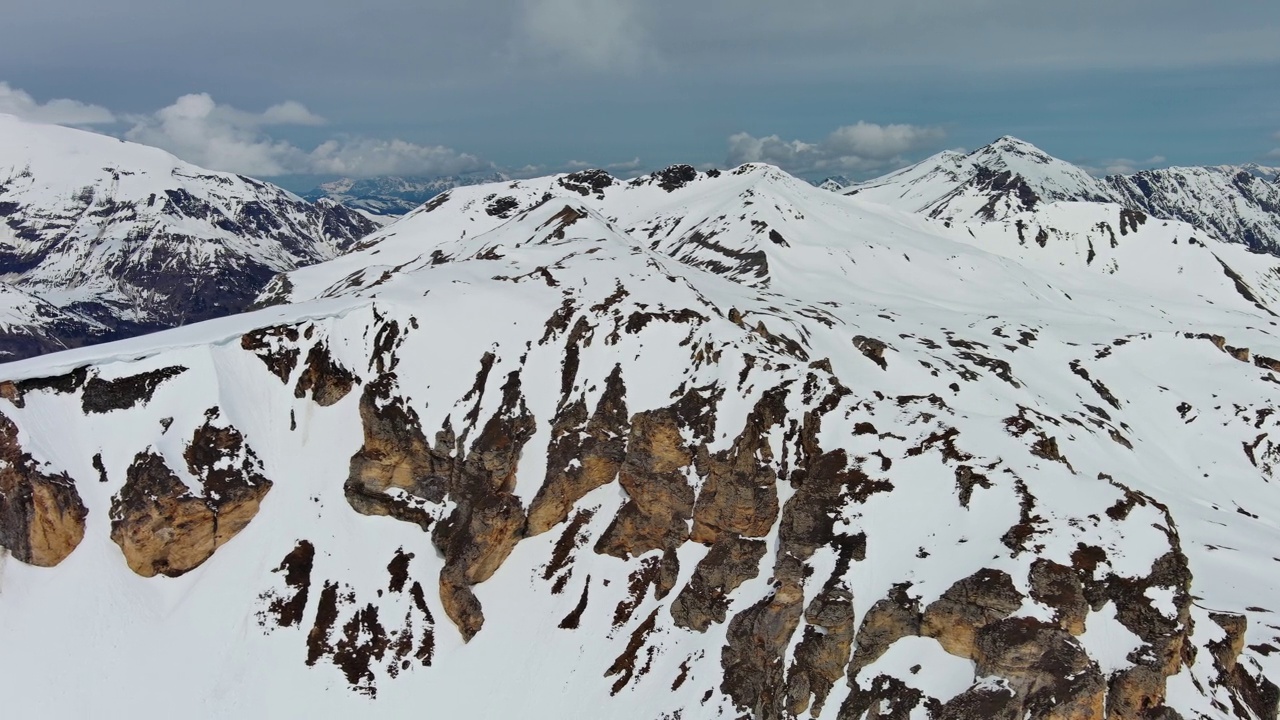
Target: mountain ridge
{"type": "Point", "coordinates": [698, 443]}
{"type": "Point", "coordinates": [1238, 204]}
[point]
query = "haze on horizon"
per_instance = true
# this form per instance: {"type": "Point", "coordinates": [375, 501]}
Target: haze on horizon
{"type": "Point", "coordinates": [284, 88]}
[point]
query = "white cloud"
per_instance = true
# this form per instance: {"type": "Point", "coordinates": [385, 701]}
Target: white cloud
{"type": "Point", "coordinates": [628, 166]}
{"type": "Point", "coordinates": [861, 147]}
{"type": "Point", "coordinates": [221, 137]}
{"type": "Point", "coordinates": [1123, 166]}
{"type": "Point", "coordinates": [597, 34]}
{"type": "Point", "coordinates": [58, 112]}
{"type": "Point", "coordinates": [370, 156]}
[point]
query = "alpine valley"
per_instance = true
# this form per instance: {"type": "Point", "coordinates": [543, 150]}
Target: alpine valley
{"type": "Point", "coordinates": [987, 438]}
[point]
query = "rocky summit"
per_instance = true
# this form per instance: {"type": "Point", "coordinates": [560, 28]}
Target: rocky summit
{"type": "Point", "coordinates": [693, 445]}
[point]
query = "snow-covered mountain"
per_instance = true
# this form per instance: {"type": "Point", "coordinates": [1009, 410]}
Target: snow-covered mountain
{"type": "Point", "coordinates": [394, 195]}
{"type": "Point", "coordinates": [1008, 178]}
{"type": "Point", "coordinates": [835, 183]}
{"type": "Point", "coordinates": [1238, 203]}
{"type": "Point", "coordinates": [129, 239]}
{"type": "Point", "coordinates": [695, 445]}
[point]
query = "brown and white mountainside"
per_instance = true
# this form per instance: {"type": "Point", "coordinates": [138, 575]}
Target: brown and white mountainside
{"type": "Point", "coordinates": [102, 239]}
{"type": "Point", "coordinates": [695, 445]}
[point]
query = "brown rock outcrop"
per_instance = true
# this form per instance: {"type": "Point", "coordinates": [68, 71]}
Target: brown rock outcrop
{"type": "Point", "coordinates": [705, 599]}
{"type": "Point", "coordinates": [1140, 690]}
{"type": "Point", "coordinates": [740, 492]}
{"type": "Point", "coordinates": [163, 528]}
{"type": "Point", "coordinates": [753, 663]}
{"type": "Point", "coordinates": [1059, 587]}
{"type": "Point", "coordinates": [395, 456]}
{"type": "Point", "coordinates": [1051, 675]}
{"type": "Point", "coordinates": [968, 606]}
{"type": "Point", "coordinates": [584, 454]}
{"type": "Point", "coordinates": [325, 378]}
{"type": "Point", "coordinates": [660, 504]}
{"type": "Point", "coordinates": [1259, 694]}
{"type": "Point", "coordinates": [487, 520]}
{"type": "Point", "coordinates": [276, 347]}
{"type": "Point", "coordinates": [823, 652]}
{"type": "Point", "coordinates": [888, 621]}
{"type": "Point", "coordinates": [41, 516]}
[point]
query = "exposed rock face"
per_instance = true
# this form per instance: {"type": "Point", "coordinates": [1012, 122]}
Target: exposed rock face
{"type": "Point", "coordinates": [41, 515]}
{"type": "Point", "coordinates": [657, 515]}
{"type": "Point", "coordinates": [487, 520]}
{"type": "Point", "coordinates": [888, 621]}
{"type": "Point", "coordinates": [955, 619]}
{"type": "Point", "coordinates": [740, 495]}
{"type": "Point", "coordinates": [731, 562]}
{"type": "Point", "coordinates": [1141, 689]}
{"type": "Point", "coordinates": [584, 454]}
{"type": "Point", "coordinates": [276, 348]}
{"type": "Point", "coordinates": [395, 457]}
{"type": "Point", "coordinates": [823, 652]}
{"type": "Point", "coordinates": [101, 396]}
{"type": "Point", "coordinates": [1051, 676]}
{"type": "Point", "coordinates": [1059, 587]}
{"type": "Point", "coordinates": [163, 527]}
{"type": "Point", "coordinates": [395, 473]}
{"type": "Point", "coordinates": [753, 661]}
{"type": "Point", "coordinates": [326, 380]}
{"type": "Point", "coordinates": [1259, 694]}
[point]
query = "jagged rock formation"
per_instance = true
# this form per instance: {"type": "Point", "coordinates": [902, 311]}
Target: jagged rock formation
{"type": "Point", "coordinates": [162, 527]}
{"type": "Point", "coordinates": [693, 445]}
{"type": "Point", "coordinates": [102, 239]}
{"type": "Point", "coordinates": [41, 516]}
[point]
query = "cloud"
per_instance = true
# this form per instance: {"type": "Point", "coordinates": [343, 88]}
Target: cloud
{"type": "Point", "coordinates": [221, 137]}
{"type": "Point", "coordinates": [861, 147]}
{"type": "Point", "coordinates": [1123, 166]}
{"type": "Point", "coordinates": [628, 166]}
{"type": "Point", "coordinates": [369, 156]}
{"type": "Point", "coordinates": [58, 112]}
{"type": "Point", "coordinates": [595, 34]}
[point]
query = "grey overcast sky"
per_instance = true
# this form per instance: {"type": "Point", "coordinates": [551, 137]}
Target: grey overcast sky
{"type": "Point", "coordinates": [321, 87]}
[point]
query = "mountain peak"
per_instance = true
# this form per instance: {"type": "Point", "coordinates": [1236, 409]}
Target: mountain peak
{"type": "Point", "coordinates": [1006, 176]}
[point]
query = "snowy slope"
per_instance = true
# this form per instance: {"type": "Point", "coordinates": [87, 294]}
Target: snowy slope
{"type": "Point", "coordinates": [693, 445]}
{"type": "Point", "coordinates": [137, 239]}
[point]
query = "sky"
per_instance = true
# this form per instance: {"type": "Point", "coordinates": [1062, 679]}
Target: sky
{"type": "Point", "coordinates": [290, 89]}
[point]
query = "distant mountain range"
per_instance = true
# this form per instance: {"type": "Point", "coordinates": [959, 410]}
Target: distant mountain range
{"type": "Point", "coordinates": [102, 239]}
{"type": "Point", "coordinates": [394, 195]}
{"type": "Point", "coordinates": [1234, 203]}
